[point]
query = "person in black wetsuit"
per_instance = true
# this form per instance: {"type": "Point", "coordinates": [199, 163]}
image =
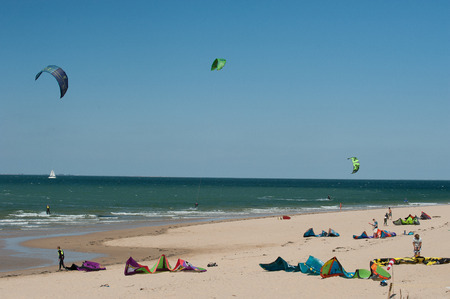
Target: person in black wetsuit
{"type": "Point", "coordinates": [61, 258]}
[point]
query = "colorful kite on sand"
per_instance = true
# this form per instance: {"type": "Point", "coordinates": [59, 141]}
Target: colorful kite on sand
{"type": "Point", "coordinates": [133, 267]}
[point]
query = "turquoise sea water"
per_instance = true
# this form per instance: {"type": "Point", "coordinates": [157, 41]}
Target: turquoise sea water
{"type": "Point", "coordinates": [81, 201]}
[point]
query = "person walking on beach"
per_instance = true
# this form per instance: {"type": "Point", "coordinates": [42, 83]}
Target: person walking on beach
{"type": "Point", "coordinates": [48, 210]}
{"type": "Point", "coordinates": [61, 258]}
{"type": "Point", "coordinates": [417, 243]}
{"type": "Point", "coordinates": [386, 217]}
{"type": "Point", "coordinates": [375, 227]}
{"type": "Point", "coordinates": [390, 213]}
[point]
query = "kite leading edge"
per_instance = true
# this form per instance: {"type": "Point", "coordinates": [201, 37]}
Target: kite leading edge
{"type": "Point", "coordinates": [59, 75]}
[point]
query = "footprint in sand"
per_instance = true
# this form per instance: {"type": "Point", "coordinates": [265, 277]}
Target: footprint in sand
{"type": "Point", "coordinates": [289, 242]}
{"type": "Point", "coordinates": [342, 249]}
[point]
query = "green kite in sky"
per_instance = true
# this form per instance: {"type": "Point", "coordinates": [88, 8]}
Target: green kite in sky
{"type": "Point", "coordinates": [355, 162]}
{"type": "Point", "coordinates": [218, 64]}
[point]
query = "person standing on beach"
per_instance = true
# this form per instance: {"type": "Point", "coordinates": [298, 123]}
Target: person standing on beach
{"type": "Point", "coordinates": [417, 243]}
{"type": "Point", "coordinates": [61, 258]}
{"type": "Point", "coordinates": [390, 213]}
{"type": "Point", "coordinates": [375, 227]}
{"type": "Point", "coordinates": [48, 210]}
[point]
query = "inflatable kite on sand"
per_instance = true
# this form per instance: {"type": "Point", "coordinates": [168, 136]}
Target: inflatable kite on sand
{"type": "Point", "coordinates": [330, 233]}
{"type": "Point", "coordinates": [411, 220]}
{"type": "Point", "coordinates": [425, 216]}
{"type": "Point", "coordinates": [132, 267]}
{"type": "Point", "coordinates": [334, 268]}
{"type": "Point", "coordinates": [380, 234]}
{"type": "Point", "coordinates": [87, 266]}
{"type": "Point", "coordinates": [314, 266]}
{"type": "Point", "coordinates": [280, 264]}
{"type": "Point", "coordinates": [413, 260]}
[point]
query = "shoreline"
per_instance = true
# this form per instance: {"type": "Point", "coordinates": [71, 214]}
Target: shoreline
{"type": "Point", "coordinates": [90, 243]}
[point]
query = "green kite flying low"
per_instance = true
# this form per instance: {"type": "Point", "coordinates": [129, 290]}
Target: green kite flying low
{"type": "Point", "coordinates": [355, 162]}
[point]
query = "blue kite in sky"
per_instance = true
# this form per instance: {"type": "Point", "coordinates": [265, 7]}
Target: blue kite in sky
{"type": "Point", "coordinates": [59, 75]}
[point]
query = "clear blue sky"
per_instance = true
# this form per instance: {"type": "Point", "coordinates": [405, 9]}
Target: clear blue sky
{"type": "Point", "coordinates": [307, 84]}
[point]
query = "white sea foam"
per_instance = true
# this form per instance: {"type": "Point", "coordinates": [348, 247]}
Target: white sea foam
{"type": "Point", "coordinates": [329, 207]}
{"type": "Point", "coordinates": [374, 206]}
{"type": "Point", "coordinates": [24, 214]}
{"type": "Point", "coordinates": [311, 210]}
{"type": "Point", "coordinates": [323, 199]}
{"type": "Point", "coordinates": [295, 199]}
{"type": "Point", "coordinates": [29, 220]}
{"type": "Point", "coordinates": [270, 211]}
{"type": "Point", "coordinates": [146, 214]}
{"type": "Point", "coordinates": [107, 217]}
{"type": "Point", "coordinates": [13, 222]}
{"type": "Point", "coordinates": [423, 203]}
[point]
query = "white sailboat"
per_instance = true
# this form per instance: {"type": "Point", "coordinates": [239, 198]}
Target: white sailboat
{"type": "Point", "coordinates": [52, 175]}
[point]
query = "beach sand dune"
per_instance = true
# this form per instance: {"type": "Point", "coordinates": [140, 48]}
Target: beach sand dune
{"type": "Point", "coordinates": [238, 247]}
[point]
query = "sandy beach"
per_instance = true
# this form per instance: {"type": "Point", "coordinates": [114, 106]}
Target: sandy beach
{"type": "Point", "coordinates": [238, 247]}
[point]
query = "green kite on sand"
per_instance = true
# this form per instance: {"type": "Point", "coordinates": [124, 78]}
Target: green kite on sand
{"type": "Point", "coordinates": [410, 220]}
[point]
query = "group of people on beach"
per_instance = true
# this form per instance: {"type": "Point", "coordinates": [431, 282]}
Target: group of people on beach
{"type": "Point", "coordinates": [417, 240]}
{"type": "Point", "coordinates": [387, 216]}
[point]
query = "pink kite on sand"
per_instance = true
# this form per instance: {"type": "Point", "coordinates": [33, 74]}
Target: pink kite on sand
{"type": "Point", "coordinates": [133, 267]}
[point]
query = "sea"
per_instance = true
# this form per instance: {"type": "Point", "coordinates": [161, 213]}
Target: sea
{"type": "Point", "coordinates": [90, 201]}
{"type": "Point", "coordinates": [81, 204]}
